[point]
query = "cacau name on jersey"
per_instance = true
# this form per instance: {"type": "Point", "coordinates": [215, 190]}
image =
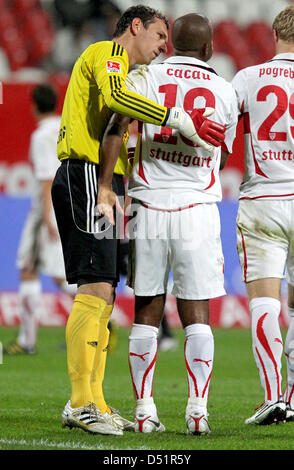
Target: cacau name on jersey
{"type": "Point", "coordinates": [265, 95]}
{"type": "Point", "coordinates": [168, 170]}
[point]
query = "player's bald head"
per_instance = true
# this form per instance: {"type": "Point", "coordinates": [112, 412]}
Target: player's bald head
{"type": "Point", "coordinates": [192, 35]}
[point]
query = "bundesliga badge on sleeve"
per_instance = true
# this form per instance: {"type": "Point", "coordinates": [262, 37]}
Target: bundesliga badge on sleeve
{"type": "Point", "coordinates": [113, 67]}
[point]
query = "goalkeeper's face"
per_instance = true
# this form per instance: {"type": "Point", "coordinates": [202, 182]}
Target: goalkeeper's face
{"type": "Point", "coordinates": [151, 41]}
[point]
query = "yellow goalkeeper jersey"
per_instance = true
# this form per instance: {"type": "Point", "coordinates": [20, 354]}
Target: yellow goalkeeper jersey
{"type": "Point", "coordinates": [96, 89]}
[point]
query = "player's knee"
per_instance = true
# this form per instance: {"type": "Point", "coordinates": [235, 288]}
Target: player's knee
{"type": "Point", "coordinates": [149, 310]}
{"type": "Point", "coordinates": [103, 290]}
{"type": "Point", "coordinates": [28, 275]}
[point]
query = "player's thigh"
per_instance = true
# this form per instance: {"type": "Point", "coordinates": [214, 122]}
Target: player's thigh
{"type": "Point", "coordinates": [193, 311]}
{"type": "Point", "coordinates": [149, 310]}
{"type": "Point", "coordinates": [291, 296]}
{"type": "Point", "coordinates": [29, 245]}
{"type": "Point", "coordinates": [267, 287]}
{"type": "Point", "coordinates": [51, 256]}
{"type": "Point", "coordinates": [148, 266]}
{"type": "Point", "coordinates": [196, 253]}
{"type": "Point", "coordinates": [262, 239]}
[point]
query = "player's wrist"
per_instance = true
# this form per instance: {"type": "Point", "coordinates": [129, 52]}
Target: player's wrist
{"type": "Point", "coordinates": [103, 184]}
{"type": "Point", "coordinates": [175, 117]}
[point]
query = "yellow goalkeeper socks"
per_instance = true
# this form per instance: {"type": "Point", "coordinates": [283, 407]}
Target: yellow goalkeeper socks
{"type": "Point", "coordinates": [98, 370]}
{"type": "Point", "coordinates": [81, 339]}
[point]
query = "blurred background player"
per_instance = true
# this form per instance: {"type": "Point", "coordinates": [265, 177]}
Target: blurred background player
{"type": "Point", "coordinates": [40, 247]}
{"type": "Point", "coordinates": [166, 338]}
{"type": "Point", "coordinates": [266, 213]}
{"type": "Point", "coordinates": [174, 189]}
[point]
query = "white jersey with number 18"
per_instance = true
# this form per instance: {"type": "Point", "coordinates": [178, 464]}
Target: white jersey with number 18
{"type": "Point", "coordinates": [169, 172]}
{"type": "Point", "coordinates": [265, 96]}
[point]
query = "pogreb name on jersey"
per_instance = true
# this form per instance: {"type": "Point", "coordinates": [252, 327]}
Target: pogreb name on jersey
{"type": "Point", "coordinates": [276, 72]}
{"type": "Point", "coordinates": [180, 158]}
{"type": "Point", "coordinates": [188, 74]}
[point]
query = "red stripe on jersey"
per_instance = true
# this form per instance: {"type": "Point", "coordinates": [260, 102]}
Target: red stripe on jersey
{"type": "Point", "coordinates": [247, 130]}
{"type": "Point", "coordinates": [212, 181]}
{"type": "Point", "coordinates": [257, 167]}
{"type": "Point", "coordinates": [141, 168]}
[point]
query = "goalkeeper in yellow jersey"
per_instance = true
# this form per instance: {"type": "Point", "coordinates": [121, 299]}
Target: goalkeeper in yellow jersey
{"type": "Point", "coordinates": [90, 248]}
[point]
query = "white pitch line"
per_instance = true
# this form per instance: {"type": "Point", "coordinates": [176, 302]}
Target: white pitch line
{"type": "Point", "coordinates": [46, 443]}
{"type": "Point", "coordinates": [60, 445]}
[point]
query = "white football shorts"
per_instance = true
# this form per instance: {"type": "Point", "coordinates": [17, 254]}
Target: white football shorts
{"type": "Point", "coordinates": [187, 243]}
{"type": "Point", "coordinates": [37, 251]}
{"type": "Point", "coordinates": [265, 239]}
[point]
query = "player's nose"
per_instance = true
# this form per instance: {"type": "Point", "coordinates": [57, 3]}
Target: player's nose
{"type": "Point", "coordinates": [163, 48]}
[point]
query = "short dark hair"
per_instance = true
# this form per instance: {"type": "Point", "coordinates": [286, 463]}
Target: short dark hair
{"type": "Point", "coordinates": [45, 98]}
{"type": "Point", "coordinates": [146, 14]}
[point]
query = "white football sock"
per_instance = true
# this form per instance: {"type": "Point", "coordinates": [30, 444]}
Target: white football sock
{"type": "Point", "coordinates": [267, 344]}
{"type": "Point", "coordinates": [289, 353]}
{"type": "Point", "coordinates": [199, 352]}
{"type": "Point", "coordinates": [142, 360]}
{"type": "Point", "coordinates": [30, 304]}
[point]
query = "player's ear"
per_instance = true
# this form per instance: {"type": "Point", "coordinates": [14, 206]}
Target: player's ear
{"type": "Point", "coordinates": [136, 25]}
{"type": "Point", "coordinates": [207, 51]}
{"type": "Point", "coordinates": [276, 36]}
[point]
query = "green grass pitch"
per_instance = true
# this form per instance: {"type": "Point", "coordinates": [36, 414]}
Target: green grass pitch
{"type": "Point", "coordinates": [34, 390]}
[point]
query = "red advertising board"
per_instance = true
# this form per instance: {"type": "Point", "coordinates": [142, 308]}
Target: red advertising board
{"type": "Point", "coordinates": [229, 311]}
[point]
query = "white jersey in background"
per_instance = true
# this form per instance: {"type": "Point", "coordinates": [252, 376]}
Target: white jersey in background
{"type": "Point", "coordinates": [43, 155]}
{"type": "Point", "coordinates": [169, 172]}
{"type": "Point", "coordinates": [37, 251]}
{"type": "Point", "coordinates": [265, 96]}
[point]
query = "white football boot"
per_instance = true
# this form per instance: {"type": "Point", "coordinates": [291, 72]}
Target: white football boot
{"type": "Point", "coordinates": [117, 419]}
{"type": "Point", "coordinates": [146, 419]}
{"type": "Point", "coordinates": [269, 413]}
{"type": "Point", "coordinates": [90, 419]}
{"type": "Point", "coordinates": [197, 421]}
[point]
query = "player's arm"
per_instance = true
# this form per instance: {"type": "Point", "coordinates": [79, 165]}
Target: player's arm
{"type": "Point", "coordinates": [110, 150]}
{"type": "Point", "coordinates": [47, 208]}
{"type": "Point", "coordinates": [231, 126]}
{"type": "Point", "coordinates": [110, 72]}
{"type": "Point", "coordinates": [42, 153]}
{"type": "Point", "coordinates": [224, 159]}
{"type": "Point", "coordinates": [239, 84]}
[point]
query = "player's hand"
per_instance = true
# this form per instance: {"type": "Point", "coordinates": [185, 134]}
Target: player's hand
{"type": "Point", "coordinates": [208, 130]}
{"type": "Point", "coordinates": [106, 201]}
{"type": "Point", "coordinates": [195, 128]}
{"type": "Point", "coordinates": [52, 231]}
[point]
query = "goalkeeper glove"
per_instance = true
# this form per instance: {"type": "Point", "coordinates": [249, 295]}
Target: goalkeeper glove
{"type": "Point", "coordinates": [201, 131]}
